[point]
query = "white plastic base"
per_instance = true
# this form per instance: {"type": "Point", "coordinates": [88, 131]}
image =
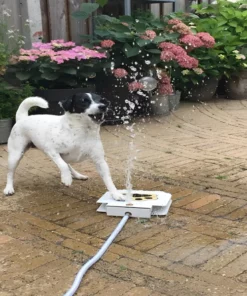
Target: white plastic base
{"type": "Point", "coordinates": [137, 208]}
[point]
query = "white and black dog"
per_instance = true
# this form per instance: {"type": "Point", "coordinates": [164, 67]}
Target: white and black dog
{"type": "Point", "coordinates": [66, 139]}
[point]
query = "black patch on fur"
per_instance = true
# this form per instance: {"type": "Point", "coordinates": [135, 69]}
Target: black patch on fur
{"type": "Point", "coordinates": [77, 103]}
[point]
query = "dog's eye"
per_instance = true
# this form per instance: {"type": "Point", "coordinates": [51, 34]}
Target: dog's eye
{"type": "Point", "coordinates": [87, 100]}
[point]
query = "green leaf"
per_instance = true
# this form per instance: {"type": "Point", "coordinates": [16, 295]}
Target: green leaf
{"type": "Point", "coordinates": [122, 37]}
{"type": "Point", "coordinates": [159, 39]}
{"type": "Point", "coordinates": [71, 71]}
{"type": "Point", "coordinates": [106, 18]}
{"type": "Point", "coordinates": [155, 51]}
{"type": "Point", "coordinates": [89, 7]}
{"type": "Point", "coordinates": [233, 24]}
{"type": "Point", "coordinates": [82, 15]}
{"type": "Point", "coordinates": [120, 28]}
{"type": "Point", "coordinates": [70, 81]}
{"type": "Point", "coordinates": [140, 27]}
{"type": "Point", "coordinates": [102, 2]}
{"type": "Point", "coordinates": [126, 19]}
{"type": "Point", "coordinates": [87, 74]}
{"type": "Point", "coordinates": [157, 24]}
{"type": "Point", "coordinates": [130, 51]}
{"type": "Point", "coordinates": [222, 22]}
{"type": "Point", "coordinates": [142, 42]}
{"type": "Point", "coordinates": [23, 75]}
{"type": "Point", "coordinates": [239, 29]}
{"type": "Point", "coordinates": [244, 35]}
{"type": "Point", "coordinates": [101, 33]}
{"type": "Point", "coordinates": [50, 76]}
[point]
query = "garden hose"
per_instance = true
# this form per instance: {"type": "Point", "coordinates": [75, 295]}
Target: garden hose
{"type": "Point", "coordinates": [100, 253]}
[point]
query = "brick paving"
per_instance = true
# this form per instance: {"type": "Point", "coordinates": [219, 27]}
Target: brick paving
{"type": "Point", "coordinates": [198, 153]}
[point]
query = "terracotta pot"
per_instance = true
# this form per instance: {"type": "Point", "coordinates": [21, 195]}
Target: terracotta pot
{"type": "Point", "coordinates": [5, 129]}
{"type": "Point", "coordinates": [201, 92]}
{"type": "Point", "coordinates": [237, 86]}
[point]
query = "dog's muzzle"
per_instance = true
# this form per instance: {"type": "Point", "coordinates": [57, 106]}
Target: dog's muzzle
{"type": "Point", "coordinates": [99, 117]}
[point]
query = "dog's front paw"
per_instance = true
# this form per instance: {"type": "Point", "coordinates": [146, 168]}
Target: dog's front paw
{"type": "Point", "coordinates": [80, 177]}
{"type": "Point", "coordinates": [66, 180]}
{"type": "Point", "coordinates": [117, 196]}
{"type": "Point", "coordinates": [9, 190]}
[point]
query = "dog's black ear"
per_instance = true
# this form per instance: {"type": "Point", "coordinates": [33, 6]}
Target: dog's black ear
{"type": "Point", "coordinates": [67, 104]}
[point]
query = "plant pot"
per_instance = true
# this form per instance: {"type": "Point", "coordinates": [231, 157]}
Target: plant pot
{"type": "Point", "coordinates": [160, 105]}
{"type": "Point", "coordinates": [174, 100]}
{"type": "Point", "coordinates": [123, 104]}
{"type": "Point", "coordinates": [55, 96]}
{"type": "Point", "coordinates": [202, 92]}
{"type": "Point", "coordinates": [236, 88]}
{"type": "Point", "coordinates": [5, 129]}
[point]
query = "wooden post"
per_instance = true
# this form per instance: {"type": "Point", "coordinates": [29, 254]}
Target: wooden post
{"type": "Point", "coordinates": [58, 15]}
{"type": "Point", "coordinates": [77, 27]}
{"type": "Point", "coordinates": [45, 20]}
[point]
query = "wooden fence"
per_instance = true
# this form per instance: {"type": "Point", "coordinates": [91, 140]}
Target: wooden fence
{"type": "Point", "coordinates": [57, 22]}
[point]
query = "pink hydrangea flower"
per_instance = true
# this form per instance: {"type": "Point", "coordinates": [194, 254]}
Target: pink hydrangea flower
{"type": "Point", "coordinates": [167, 56]}
{"type": "Point", "coordinates": [107, 43]}
{"type": "Point", "coordinates": [47, 50]}
{"type": "Point", "coordinates": [174, 21]}
{"type": "Point", "coordinates": [186, 61]}
{"type": "Point", "coordinates": [165, 78]}
{"type": "Point", "coordinates": [28, 58]}
{"type": "Point", "coordinates": [175, 49]}
{"type": "Point", "coordinates": [150, 34]}
{"type": "Point", "coordinates": [165, 89]}
{"type": "Point", "coordinates": [191, 41]}
{"type": "Point", "coordinates": [207, 39]}
{"type": "Point", "coordinates": [120, 73]}
{"type": "Point", "coordinates": [181, 28]}
{"type": "Point", "coordinates": [134, 86]}
{"type": "Point", "coordinates": [144, 37]}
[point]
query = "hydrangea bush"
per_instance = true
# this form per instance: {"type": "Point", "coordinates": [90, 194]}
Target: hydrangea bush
{"type": "Point", "coordinates": [226, 21]}
{"type": "Point", "coordinates": [57, 64]}
{"type": "Point", "coordinates": [138, 46]}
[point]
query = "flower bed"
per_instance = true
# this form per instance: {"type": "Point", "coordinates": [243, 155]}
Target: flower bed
{"type": "Point", "coordinates": [57, 64]}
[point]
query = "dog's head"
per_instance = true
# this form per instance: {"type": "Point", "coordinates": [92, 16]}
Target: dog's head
{"type": "Point", "coordinates": [86, 103]}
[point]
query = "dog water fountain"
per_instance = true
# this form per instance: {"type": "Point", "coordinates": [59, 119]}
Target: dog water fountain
{"type": "Point", "coordinates": [138, 203]}
{"type": "Point", "coordinates": [143, 204]}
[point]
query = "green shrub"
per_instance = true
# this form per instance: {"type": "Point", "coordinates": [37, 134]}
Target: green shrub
{"type": "Point", "coordinates": [11, 97]}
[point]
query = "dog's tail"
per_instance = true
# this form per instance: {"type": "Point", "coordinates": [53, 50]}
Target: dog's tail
{"type": "Point", "coordinates": [22, 111]}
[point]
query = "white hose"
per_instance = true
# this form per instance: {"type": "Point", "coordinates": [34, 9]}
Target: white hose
{"type": "Point", "coordinates": [100, 253]}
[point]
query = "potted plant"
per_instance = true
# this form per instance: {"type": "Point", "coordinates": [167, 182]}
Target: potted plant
{"type": "Point", "coordinates": [226, 21]}
{"type": "Point", "coordinates": [198, 82]}
{"type": "Point", "coordinates": [57, 70]}
{"type": "Point", "coordinates": [136, 47]}
{"type": "Point", "coordinates": [10, 99]}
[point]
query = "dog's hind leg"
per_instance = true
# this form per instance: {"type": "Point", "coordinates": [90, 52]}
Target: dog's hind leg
{"type": "Point", "coordinates": [77, 175]}
{"type": "Point", "coordinates": [66, 177]}
{"type": "Point", "coordinates": [16, 150]}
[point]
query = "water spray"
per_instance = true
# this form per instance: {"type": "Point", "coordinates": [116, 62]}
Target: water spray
{"type": "Point", "coordinates": [138, 203]}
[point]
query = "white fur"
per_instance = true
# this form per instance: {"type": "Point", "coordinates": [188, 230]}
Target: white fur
{"type": "Point", "coordinates": [65, 139]}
